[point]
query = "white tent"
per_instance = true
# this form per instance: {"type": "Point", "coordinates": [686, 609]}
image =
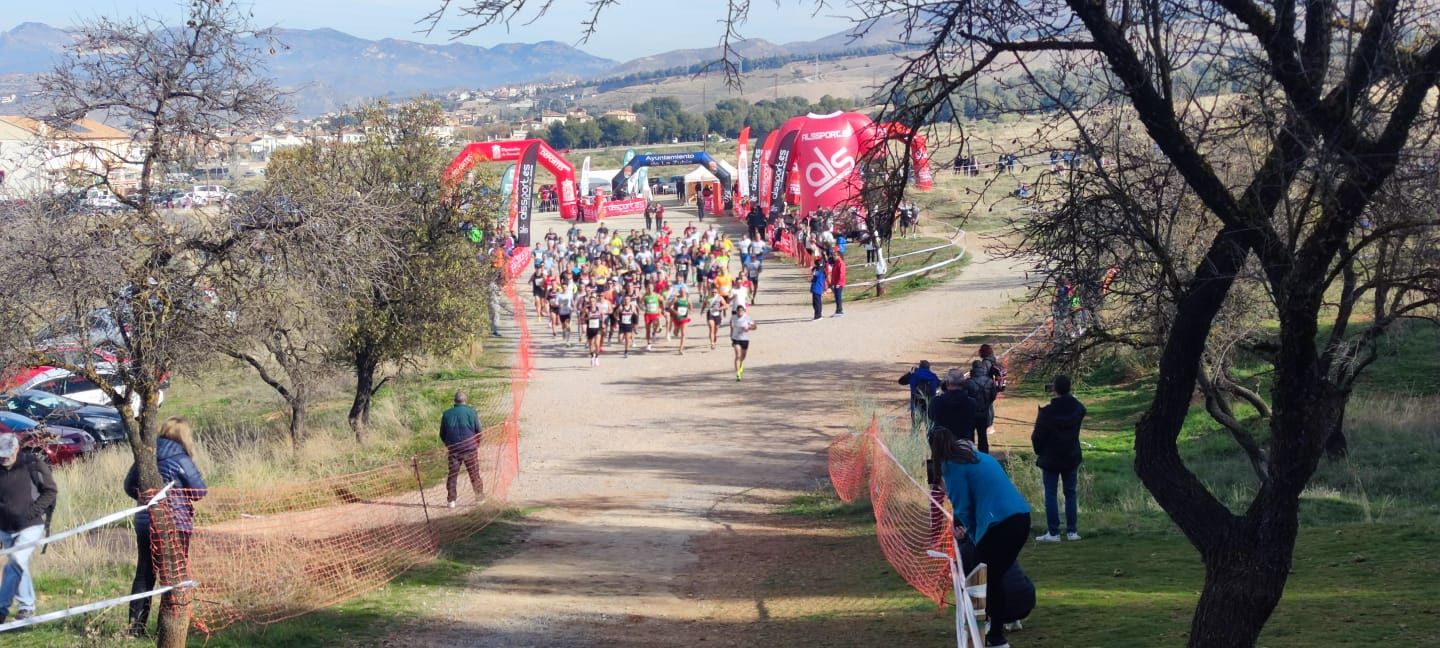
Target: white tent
{"type": "Point", "coordinates": [599, 178]}
{"type": "Point", "coordinates": [701, 174]}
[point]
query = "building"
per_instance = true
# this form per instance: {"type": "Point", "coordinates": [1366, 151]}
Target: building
{"type": "Point", "coordinates": [549, 117]}
{"type": "Point", "coordinates": [622, 115]}
{"type": "Point", "coordinates": [37, 156]}
{"type": "Point", "coordinates": [261, 148]}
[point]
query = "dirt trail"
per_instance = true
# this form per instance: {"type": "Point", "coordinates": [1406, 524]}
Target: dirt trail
{"type": "Point", "coordinates": [653, 474]}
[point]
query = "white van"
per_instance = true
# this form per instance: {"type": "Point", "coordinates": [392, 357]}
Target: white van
{"type": "Point", "coordinates": [206, 194]}
{"type": "Point", "coordinates": [100, 199]}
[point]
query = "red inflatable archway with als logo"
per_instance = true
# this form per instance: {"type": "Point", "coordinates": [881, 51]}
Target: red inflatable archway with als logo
{"type": "Point", "coordinates": [811, 159]}
{"type": "Point", "coordinates": [526, 154]}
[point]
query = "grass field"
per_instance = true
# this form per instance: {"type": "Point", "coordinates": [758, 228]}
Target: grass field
{"type": "Point", "coordinates": [1365, 570]}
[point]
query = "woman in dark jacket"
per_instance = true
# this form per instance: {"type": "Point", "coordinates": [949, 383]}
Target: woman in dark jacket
{"type": "Point", "coordinates": [173, 453]}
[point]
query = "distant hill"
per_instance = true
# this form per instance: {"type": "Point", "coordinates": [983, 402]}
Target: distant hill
{"type": "Point", "coordinates": [876, 35]}
{"type": "Point", "coordinates": [328, 69]}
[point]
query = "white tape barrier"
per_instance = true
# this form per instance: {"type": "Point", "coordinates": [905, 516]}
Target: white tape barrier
{"type": "Point", "coordinates": [90, 607]}
{"type": "Point", "coordinates": [901, 256]}
{"type": "Point", "coordinates": [906, 275]}
{"type": "Point", "coordinates": [1032, 334]}
{"type": "Point", "coordinates": [113, 517]}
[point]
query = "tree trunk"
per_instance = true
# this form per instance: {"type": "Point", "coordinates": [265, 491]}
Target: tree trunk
{"type": "Point", "coordinates": [174, 617]}
{"type": "Point", "coordinates": [298, 408]}
{"type": "Point", "coordinates": [1244, 580]}
{"type": "Point", "coordinates": [365, 368]}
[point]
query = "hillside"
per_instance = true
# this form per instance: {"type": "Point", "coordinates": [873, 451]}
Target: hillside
{"type": "Point", "coordinates": [847, 78]}
{"type": "Point", "coordinates": [327, 69]}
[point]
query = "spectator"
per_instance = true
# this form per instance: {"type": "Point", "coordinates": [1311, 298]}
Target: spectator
{"type": "Point", "coordinates": [955, 409]}
{"type": "Point", "coordinates": [881, 267]}
{"type": "Point", "coordinates": [755, 220]}
{"type": "Point", "coordinates": [994, 368]}
{"type": "Point", "coordinates": [922, 383]}
{"type": "Point", "coordinates": [1056, 440]}
{"type": "Point", "coordinates": [460, 431]}
{"type": "Point", "coordinates": [817, 287]}
{"type": "Point", "coordinates": [982, 390]}
{"type": "Point", "coordinates": [988, 510]}
{"type": "Point", "coordinates": [26, 492]}
{"type": "Point", "coordinates": [837, 283]}
{"type": "Point", "coordinates": [174, 456]}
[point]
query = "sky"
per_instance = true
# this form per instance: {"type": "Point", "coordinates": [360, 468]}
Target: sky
{"type": "Point", "coordinates": [632, 29]}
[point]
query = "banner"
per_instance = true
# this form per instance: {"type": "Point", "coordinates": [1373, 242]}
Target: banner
{"type": "Point", "coordinates": [765, 174]}
{"type": "Point", "coordinates": [627, 207]}
{"type": "Point", "coordinates": [585, 177]}
{"type": "Point", "coordinates": [781, 168]}
{"type": "Point", "coordinates": [525, 194]}
{"type": "Point", "coordinates": [754, 162]}
{"type": "Point", "coordinates": [642, 182]}
{"type": "Point", "coordinates": [742, 162]}
{"type": "Point", "coordinates": [507, 193]}
{"type": "Point", "coordinates": [630, 182]}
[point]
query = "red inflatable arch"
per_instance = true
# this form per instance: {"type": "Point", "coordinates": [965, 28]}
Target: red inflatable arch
{"type": "Point", "coordinates": [523, 152]}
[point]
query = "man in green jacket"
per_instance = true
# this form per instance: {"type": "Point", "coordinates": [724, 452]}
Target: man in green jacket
{"type": "Point", "coordinates": [460, 430]}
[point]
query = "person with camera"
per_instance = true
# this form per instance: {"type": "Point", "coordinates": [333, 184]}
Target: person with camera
{"type": "Point", "coordinates": [983, 391]}
{"type": "Point", "coordinates": [1056, 441]}
{"type": "Point", "coordinates": [923, 384]}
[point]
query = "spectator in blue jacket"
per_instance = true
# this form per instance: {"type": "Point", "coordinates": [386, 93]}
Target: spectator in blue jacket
{"type": "Point", "coordinates": [923, 384]}
{"type": "Point", "coordinates": [988, 509]}
{"type": "Point", "coordinates": [460, 430]}
{"type": "Point", "coordinates": [817, 286]}
{"type": "Point", "coordinates": [174, 452]}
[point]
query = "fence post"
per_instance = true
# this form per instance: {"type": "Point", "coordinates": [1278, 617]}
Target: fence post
{"type": "Point", "coordinates": [424, 506]}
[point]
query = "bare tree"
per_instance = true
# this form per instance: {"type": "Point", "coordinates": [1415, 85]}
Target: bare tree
{"type": "Point", "coordinates": [180, 88]}
{"type": "Point", "coordinates": [1282, 188]}
{"type": "Point", "coordinates": [430, 291]}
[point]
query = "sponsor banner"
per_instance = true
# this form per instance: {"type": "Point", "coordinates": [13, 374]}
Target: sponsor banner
{"type": "Point", "coordinates": [920, 157]}
{"type": "Point", "coordinates": [525, 194]}
{"type": "Point", "coordinates": [628, 207]}
{"type": "Point", "coordinates": [507, 193]}
{"type": "Point", "coordinates": [742, 162]}
{"type": "Point", "coordinates": [765, 172]}
{"type": "Point", "coordinates": [778, 183]}
{"type": "Point", "coordinates": [585, 176]}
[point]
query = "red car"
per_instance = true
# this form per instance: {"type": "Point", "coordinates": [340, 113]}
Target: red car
{"type": "Point", "coordinates": [67, 353]}
{"type": "Point", "coordinates": [60, 444]}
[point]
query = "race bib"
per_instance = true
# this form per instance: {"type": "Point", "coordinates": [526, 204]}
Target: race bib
{"type": "Point", "coordinates": [682, 311]}
{"type": "Point", "coordinates": [625, 319]}
{"type": "Point", "coordinates": [594, 322]}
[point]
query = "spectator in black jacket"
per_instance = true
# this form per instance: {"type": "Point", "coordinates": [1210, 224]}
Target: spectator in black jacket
{"type": "Point", "coordinates": [1057, 452]}
{"type": "Point", "coordinates": [955, 409]}
{"type": "Point", "coordinates": [26, 492]}
{"type": "Point", "coordinates": [983, 390]}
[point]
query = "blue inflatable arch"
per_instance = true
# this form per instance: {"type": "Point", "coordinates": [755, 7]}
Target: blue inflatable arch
{"type": "Point", "coordinates": [701, 158]}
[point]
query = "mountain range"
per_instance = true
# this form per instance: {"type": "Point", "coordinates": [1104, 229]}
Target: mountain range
{"type": "Point", "coordinates": [327, 69]}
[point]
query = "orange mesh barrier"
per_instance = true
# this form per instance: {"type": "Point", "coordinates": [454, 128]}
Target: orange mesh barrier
{"type": "Point", "coordinates": [268, 555]}
{"type": "Point", "coordinates": [910, 519]}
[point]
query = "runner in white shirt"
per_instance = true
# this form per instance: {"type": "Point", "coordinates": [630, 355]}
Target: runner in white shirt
{"type": "Point", "coordinates": [740, 327]}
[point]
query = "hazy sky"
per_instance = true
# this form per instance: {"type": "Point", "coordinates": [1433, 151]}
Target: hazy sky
{"type": "Point", "coordinates": [632, 29]}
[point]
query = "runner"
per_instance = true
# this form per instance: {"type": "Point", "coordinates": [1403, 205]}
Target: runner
{"type": "Point", "coordinates": [629, 314]}
{"type": "Point", "coordinates": [654, 305]}
{"type": "Point", "coordinates": [740, 327]}
{"type": "Point", "coordinates": [564, 307]}
{"type": "Point", "coordinates": [714, 313]}
{"type": "Point", "coordinates": [680, 314]}
{"type": "Point", "coordinates": [593, 317]}
{"type": "Point", "coordinates": [537, 289]}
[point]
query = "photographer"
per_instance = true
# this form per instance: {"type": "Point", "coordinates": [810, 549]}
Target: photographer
{"type": "Point", "coordinates": [923, 384]}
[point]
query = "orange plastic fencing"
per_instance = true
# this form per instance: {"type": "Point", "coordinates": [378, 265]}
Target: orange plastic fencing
{"type": "Point", "coordinates": [910, 519]}
{"type": "Point", "coordinates": [269, 555]}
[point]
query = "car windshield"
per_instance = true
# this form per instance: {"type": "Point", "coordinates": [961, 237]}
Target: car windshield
{"type": "Point", "coordinates": [51, 401]}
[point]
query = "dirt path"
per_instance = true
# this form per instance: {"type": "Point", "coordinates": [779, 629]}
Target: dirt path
{"type": "Point", "coordinates": [653, 474]}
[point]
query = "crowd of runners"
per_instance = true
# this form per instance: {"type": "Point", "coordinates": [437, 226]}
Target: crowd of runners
{"type": "Point", "coordinates": [617, 288]}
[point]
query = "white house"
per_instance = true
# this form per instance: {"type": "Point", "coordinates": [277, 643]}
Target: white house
{"type": "Point", "coordinates": [36, 156]}
{"type": "Point", "coordinates": [267, 144]}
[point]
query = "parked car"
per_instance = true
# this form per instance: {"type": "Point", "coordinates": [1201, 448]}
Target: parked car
{"type": "Point", "coordinates": [76, 387]}
{"type": "Point", "coordinates": [206, 194]}
{"type": "Point", "coordinates": [101, 423]}
{"type": "Point", "coordinates": [67, 354]}
{"type": "Point", "coordinates": [60, 445]}
{"type": "Point", "coordinates": [100, 199]}
{"type": "Point", "coordinates": [100, 330]}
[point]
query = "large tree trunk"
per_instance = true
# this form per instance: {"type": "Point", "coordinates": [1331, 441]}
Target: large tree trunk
{"type": "Point", "coordinates": [365, 367]}
{"type": "Point", "coordinates": [174, 615]}
{"type": "Point", "coordinates": [1244, 579]}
